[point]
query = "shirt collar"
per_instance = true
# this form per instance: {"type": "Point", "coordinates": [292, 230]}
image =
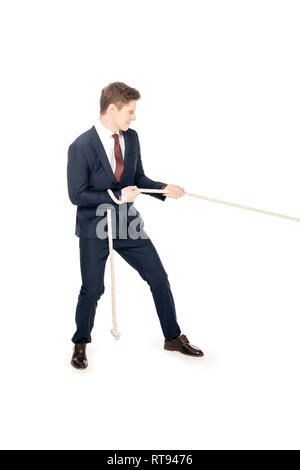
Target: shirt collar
{"type": "Point", "coordinates": [104, 131]}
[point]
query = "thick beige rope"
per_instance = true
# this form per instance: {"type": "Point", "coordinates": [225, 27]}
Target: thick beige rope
{"type": "Point", "coordinates": [115, 331]}
{"type": "Point", "coordinates": [261, 211]}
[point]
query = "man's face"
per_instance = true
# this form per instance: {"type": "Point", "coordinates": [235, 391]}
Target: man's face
{"type": "Point", "coordinates": [123, 118]}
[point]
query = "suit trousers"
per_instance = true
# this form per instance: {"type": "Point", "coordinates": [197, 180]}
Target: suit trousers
{"type": "Point", "coordinates": [145, 260]}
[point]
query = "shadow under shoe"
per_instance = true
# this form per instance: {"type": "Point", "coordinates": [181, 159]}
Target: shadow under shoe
{"type": "Point", "coordinates": [182, 344]}
{"type": "Point", "coordinates": [79, 358]}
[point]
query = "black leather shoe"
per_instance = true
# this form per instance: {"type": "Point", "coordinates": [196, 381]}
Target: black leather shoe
{"type": "Point", "coordinates": [79, 359]}
{"type": "Point", "coordinates": [182, 344]}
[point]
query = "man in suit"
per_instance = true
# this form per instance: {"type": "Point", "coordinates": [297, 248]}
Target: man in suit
{"type": "Point", "coordinates": [108, 156]}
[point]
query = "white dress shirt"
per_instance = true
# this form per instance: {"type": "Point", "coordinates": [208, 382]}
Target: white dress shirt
{"type": "Point", "coordinates": [108, 142]}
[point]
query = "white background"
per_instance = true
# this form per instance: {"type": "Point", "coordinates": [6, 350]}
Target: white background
{"type": "Point", "coordinates": [219, 115]}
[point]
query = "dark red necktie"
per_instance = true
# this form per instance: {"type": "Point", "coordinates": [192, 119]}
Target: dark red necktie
{"type": "Point", "coordinates": [119, 158]}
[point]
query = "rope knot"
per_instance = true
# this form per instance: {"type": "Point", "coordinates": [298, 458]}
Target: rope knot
{"type": "Point", "coordinates": [115, 333]}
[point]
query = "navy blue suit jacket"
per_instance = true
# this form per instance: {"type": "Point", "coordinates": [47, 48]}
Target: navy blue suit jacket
{"type": "Point", "coordinates": [89, 175]}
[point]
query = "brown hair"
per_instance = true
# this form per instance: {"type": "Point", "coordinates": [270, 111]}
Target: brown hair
{"type": "Point", "coordinates": [117, 93]}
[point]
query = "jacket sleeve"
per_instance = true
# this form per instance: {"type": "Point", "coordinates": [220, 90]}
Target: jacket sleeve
{"type": "Point", "coordinates": [142, 181]}
{"type": "Point", "coordinates": [78, 177]}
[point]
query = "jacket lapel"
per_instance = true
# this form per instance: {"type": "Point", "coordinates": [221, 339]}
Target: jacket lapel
{"type": "Point", "coordinates": [96, 141]}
